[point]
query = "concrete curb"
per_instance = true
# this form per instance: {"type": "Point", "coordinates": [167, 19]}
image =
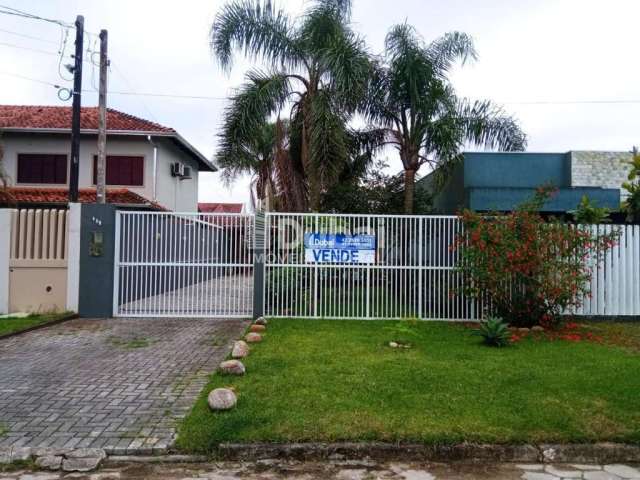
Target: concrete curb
{"type": "Point", "coordinates": [526, 453]}
{"type": "Point", "coordinates": [66, 318]}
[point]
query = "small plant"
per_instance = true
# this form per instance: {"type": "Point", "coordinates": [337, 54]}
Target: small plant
{"type": "Point", "coordinates": [588, 213]}
{"type": "Point", "coordinates": [494, 332]}
{"type": "Point", "coordinates": [632, 204]}
{"type": "Point", "coordinates": [403, 330]}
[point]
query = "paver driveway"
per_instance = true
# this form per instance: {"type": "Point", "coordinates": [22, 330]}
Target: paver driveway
{"type": "Point", "coordinates": [118, 384]}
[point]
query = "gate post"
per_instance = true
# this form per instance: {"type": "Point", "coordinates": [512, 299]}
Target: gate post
{"type": "Point", "coordinates": [258, 264]}
{"type": "Point", "coordinates": [5, 246]}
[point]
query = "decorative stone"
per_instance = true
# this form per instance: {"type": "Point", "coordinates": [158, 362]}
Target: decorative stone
{"type": "Point", "coordinates": [50, 462]}
{"type": "Point", "coordinates": [563, 473]}
{"type": "Point", "coordinates": [524, 330]}
{"type": "Point", "coordinates": [240, 349]}
{"type": "Point", "coordinates": [537, 328]}
{"type": "Point", "coordinates": [232, 367]}
{"type": "Point", "coordinates": [253, 337]}
{"type": "Point", "coordinates": [622, 471]}
{"type": "Point", "coordinates": [257, 328]}
{"type": "Point", "coordinates": [600, 475]}
{"type": "Point", "coordinates": [393, 344]}
{"type": "Point", "coordinates": [87, 453]}
{"type": "Point", "coordinates": [222, 399]}
{"type": "Point", "coordinates": [85, 464]}
{"type": "Point", "coordinates": [538, 476]}
{"type": "Point", "coordinates": [20, 454]}
{"type": "Point", "coordinates": [261, 321]}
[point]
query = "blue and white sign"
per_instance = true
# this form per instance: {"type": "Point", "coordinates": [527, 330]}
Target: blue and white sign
{"type": "Point", "coordinates": [339, 248]}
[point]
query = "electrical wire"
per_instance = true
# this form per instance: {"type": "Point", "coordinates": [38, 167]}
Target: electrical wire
{"type": "Point", "coordinates": [28, 36]}
{"type": "Point", "coordinates": [6, 10]}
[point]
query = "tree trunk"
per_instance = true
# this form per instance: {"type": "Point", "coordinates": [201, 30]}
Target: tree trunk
{"type": "Point", "coordinates": [409, 186]}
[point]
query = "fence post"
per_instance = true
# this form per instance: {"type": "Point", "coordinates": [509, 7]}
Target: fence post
{"type": "Point", "coordinates": [258, 264]}
{"type": "Point", "coordinates": [73, 257]}
{"type": "Point", "coordinates": [5, 247]}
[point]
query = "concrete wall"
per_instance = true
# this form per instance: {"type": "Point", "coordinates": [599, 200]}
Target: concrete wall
{"type": "Point", "coordinates": [171, 192]}
{"type": "Point", "coordinates": [605, 169]}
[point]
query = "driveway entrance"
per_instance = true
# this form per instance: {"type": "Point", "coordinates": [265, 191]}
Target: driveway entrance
{"type": "Point", "coordinates": [119, 384]}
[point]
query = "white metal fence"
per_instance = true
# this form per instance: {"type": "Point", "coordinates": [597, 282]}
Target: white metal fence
{"type": "Point", "coordinates": [413, 275]}
{"type": "Point", "coordinates": [202, 265]}
{"type": "Point", "coordinates": [183, 265]}
{"type": "Point", "coordinates": [615, 279]}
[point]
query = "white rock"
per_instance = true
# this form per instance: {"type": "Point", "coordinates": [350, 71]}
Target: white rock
{"type": "Point", "coordinates": [84, 464]}
{"type": "Point", "coordinates": [530, 466]}
{"type": "Point", "coordinates": [253, 337]}
{"type": "Point", "coordinates": [623, 471]}
{"type": "Point", "coordinates": [222, 399]}
{"type": "Point", "coordinates": [261, 321]}
{"type": "Point", "coordinates": [538, 476]}
{"type": "Point", "coordinates": [599, 475]}
{"type": "Point", "coordinates": [232, 367]}
{"type": "Point", "coordinates": [240, 349]}
{"type": "Point", "coordinates": [50, 462]}
{"type": "Point", "coordinates": [393, 344]}
{"type": "Point", "coordinates": [562, 473]}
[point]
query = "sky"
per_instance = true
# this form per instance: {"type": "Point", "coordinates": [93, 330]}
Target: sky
{"type": "Point", "coordinates": [536, 57]}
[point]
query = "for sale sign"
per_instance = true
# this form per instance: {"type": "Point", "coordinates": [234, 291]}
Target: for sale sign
{"type": "Point", "coordinates": [339, 248]}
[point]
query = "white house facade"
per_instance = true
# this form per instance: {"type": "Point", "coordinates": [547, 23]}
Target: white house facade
{"type": "Point", "coordinates": [152, 161]}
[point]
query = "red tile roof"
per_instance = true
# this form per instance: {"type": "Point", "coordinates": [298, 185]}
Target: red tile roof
{"type": "Point", "coordinates": [220, 207]}
{"type": "Point", "coordinates": [53, 117]}
{"type": "Point", "coordinates": [41, 196]}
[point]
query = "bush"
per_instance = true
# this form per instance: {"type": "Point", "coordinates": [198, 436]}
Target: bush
{"type": "Point", "coordinates": [494, 332]}
{"type": "Point", "coordinates": [530, 270]}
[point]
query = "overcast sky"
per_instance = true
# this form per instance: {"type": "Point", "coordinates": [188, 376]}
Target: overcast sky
{"type": "Point", "coordinates": [530, 51]}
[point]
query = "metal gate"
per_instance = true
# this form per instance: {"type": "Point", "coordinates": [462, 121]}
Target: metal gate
{"type": "Point", "coordinates": [413, 274]}
{"type": "Point", "coordinates": [183, 265]}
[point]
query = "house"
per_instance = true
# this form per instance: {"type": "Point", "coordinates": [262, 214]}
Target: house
{"type": "Point", "coordinates": [489, 181]}
{"type": "Point", "coordinates": [221, 207]}
{"type": "Point", "coordinates": [148, 165]}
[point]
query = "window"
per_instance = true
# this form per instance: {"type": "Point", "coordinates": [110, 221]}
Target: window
{"type": "Point", "coordinates": [42, 168]}
{"type": "Point", "coordinates": [121, 170]}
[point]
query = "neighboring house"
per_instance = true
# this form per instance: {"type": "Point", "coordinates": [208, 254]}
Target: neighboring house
{"type": "Point", "coordinates": [485, 181]}
{"type": "Point", "coordinates": [221, 207]}
{"type": "Point", "coordinates": [148, 165]}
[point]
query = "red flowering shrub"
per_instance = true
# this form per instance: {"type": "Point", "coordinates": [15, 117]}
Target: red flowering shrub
{"type": "Point", "coordinates": [531, 270]}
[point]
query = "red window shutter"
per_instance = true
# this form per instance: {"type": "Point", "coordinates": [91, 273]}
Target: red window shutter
{"type": "Point", "coordinates": [42, 168]}
{"type": "Point", "coordinates": [122, 170]}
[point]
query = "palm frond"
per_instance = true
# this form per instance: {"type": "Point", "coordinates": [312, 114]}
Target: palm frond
{"type": "Point", "coordinates": [487, 125]}
{"type": "Point", "coordinates": [451, 47]}
{"type": "Point", "coordinates": [257, 28]}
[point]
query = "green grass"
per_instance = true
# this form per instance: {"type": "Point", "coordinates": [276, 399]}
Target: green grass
{"type": "Point", "coordinates": [130, 343]}
{"type": "Point", "coordinates": [340, 381]}
{"type": "Point", "coordinates": [15, 324]}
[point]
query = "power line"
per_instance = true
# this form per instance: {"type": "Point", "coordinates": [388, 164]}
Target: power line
{"type": "Point", "coordinates": [207, 97]}
{"type": "Point", "coordinates": [19, 13]}
{"type": "Point", "coordinates": [28, 36]}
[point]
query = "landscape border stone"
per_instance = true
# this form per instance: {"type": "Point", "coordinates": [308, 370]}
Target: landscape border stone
{"type": "Point", "coordinates": [471, 452]}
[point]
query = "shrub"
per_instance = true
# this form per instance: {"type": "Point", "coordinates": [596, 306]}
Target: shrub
{"type": "Point", "coordinates": [530, 270]}
{"type": "Point", "coordinates": [588, 213]}
{"type": "Point", "coordinates": [494, 332]}
{"type": "Point", "coordinates": [632, 203]}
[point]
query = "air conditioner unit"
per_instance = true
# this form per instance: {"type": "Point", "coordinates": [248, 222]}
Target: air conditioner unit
{"type": "Point", "coordinates": [177, 169]}
{"type": "Point", "coordinates": [186, 173]}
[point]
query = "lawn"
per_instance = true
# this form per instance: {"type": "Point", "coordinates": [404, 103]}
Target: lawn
{"type": "Point", "coordinates": [321, 380]}
{"type": "Point", "coordinates": [16, 324]}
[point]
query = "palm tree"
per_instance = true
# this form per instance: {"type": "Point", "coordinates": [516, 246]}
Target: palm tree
{"type": "Point", "coordinates": [418, 112]}
{"type": "Point", "coordinates": [316, 65]}
{"type": "Point", "coordinates": [275, 182]}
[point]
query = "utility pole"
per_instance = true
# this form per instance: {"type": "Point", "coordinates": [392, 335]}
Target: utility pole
{"type": "Point", "coordinates": [101, 194]}
{"type": "Point", "coordinates": [75, 118]}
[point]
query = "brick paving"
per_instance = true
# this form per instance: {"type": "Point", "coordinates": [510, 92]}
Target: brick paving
{"type": "Point", "coordinates": [117, 384]}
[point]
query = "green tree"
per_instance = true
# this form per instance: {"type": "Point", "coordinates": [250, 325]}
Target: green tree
{"type": "Point", "coordinates": [632, 203]}
{"type": "Point", "coordinates": [317, 66]}
{"type": "Point", "coordinates": [588, 213]}
{"type": "Point", "coordinates": [275, 181]}
{"type": "Point", "coordinates": [416, 108]}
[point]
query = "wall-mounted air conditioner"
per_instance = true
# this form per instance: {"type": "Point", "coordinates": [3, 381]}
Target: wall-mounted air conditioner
{"type": "Point", "coordinates": [177, 169]}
